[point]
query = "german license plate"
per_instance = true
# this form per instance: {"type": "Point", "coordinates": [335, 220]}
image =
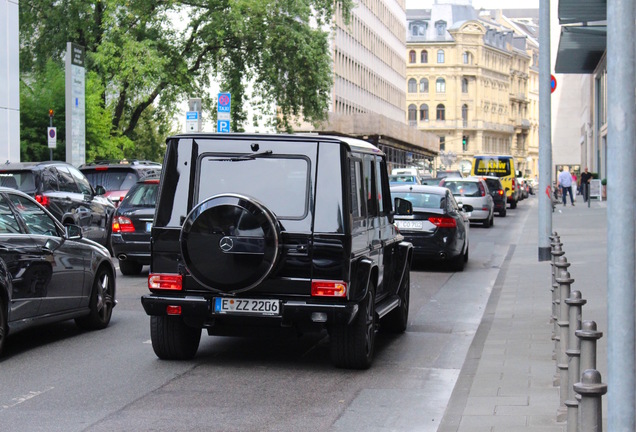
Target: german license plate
{"type": "Point", "coordinates": [407, 224]}
{"type": "Point", "coordinates": [246, 306]}
{"type": "Point", "coordinates": [148, 226]}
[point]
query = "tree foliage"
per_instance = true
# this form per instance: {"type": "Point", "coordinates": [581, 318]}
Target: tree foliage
{"type": "Point", "coordinates": [149, 56]}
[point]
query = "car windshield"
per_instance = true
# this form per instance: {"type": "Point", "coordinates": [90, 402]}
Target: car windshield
{"type": "Point", "coordinates": [112, 179]}
{"type": "Point", "coordinates": [463, 188]}
{"type": "Point", "coordinates": [141, 195]}
{"type": "Point", "coordinates": [420, 200]}
{"type": "Point", "coordinates": [286, 191]}
{"type": "Point", "coordinates": [21, 180]}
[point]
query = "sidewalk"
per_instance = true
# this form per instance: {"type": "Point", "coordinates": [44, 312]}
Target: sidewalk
{"type": "Point", "coordinates": [506, 381]}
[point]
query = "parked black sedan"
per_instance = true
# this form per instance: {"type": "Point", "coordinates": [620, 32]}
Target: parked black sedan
{"type": "Point", "coordinates": [438, 227]}
{"type": "Point", "coordinates": [49, 272]}
{"type": "Point", "coordinates": [132, 223]}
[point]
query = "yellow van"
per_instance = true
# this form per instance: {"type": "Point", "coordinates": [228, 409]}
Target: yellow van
{"type": "Point", "coordinates": [502, 166]}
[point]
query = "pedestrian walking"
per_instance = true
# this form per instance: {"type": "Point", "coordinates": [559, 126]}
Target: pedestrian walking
{"type": "Point", "coordinates": [565, 182]}
{"type": "Point", "coordinates": [586, 176]}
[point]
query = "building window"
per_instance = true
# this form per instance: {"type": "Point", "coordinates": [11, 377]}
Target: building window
{"type": "Point", "coordinates": [465, 115]}
{"type": "Point", "coordinates": [424, 56]}
{"type": "Point", "coordinates": [411, 56]}
{"type": "Point", "coordinates": [412, 115]}
{"type": "Point", "coordinates": [468, 58]}
{"type": "Point", "coordinates": [440, 26]}
{"type": "Point", "coordinates": [423, 85]}
{"type": "Point", "coordinates": [440, 56]}
{"type": "Point", "coordinates": [441, 112]}
{"type": "Point", "coordinates": [440, 85]}
{"type": "Point", "coordinates": [442, 143]}
{"type": "Point", "coordinates": [423, 112]}
{"type": "Point", "coordinates": [464, 85]}
{"type": "Point", "coordinates": [412, 85]}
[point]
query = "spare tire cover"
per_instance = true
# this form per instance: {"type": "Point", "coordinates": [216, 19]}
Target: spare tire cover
{"type": "Point", "coordinates": [230, 243]}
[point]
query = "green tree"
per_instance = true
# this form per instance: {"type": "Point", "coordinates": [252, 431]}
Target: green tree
{"type": "Point", "coordinates": [152, 54]}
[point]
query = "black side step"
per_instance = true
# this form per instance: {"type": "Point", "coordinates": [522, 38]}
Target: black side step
{"type": "Point", "coordinates": [387, 305]}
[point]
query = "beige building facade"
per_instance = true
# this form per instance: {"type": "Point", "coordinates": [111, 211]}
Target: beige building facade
{"type": "Point", "coordinates": [369, 91]}
{"type": "Point", "coordinates": [470, 80]}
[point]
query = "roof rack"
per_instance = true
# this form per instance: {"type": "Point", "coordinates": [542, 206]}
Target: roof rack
{"type": "Point", "coordinates": [121, 162]}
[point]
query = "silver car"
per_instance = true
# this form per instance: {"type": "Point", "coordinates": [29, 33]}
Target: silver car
{"type": "Point", "coordinates": [473, 191]}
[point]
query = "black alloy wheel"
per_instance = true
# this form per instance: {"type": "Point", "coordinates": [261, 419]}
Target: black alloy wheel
{"type": "Point", "coordinates": [101, 303]}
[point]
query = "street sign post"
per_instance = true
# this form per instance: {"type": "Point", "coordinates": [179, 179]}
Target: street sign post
{"type": "Point", "coordinates": [223, 109]}
{"type": "Point", "coordinates": [192, 121]}
{"type": "Point", "coordinates": [51, 134]}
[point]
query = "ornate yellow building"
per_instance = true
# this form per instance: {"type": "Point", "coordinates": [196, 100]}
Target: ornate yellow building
{"type": "Point", "coordinates": [468, 82]}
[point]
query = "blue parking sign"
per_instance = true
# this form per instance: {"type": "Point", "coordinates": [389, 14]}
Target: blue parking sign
{"type": "Point", "coordinates": [224, 102]}
{"type": "Point", "coordinates": [223, 126]}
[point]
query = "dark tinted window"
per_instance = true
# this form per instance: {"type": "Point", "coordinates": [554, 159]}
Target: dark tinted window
{"type": "Point", "coordinates": [49, 180]}
{"type": "Point", "coordinates": [67, 184]}
{"type": "Point", "coordinates": [8, 222]}
{"type": "Point", "coordinates": [141, 195]}
{"type": "Point", "coordinates": [356, 190]}
{"type": "Point", "coordinates": [113, 179]}
{"type": "Point", "coordinates": [36, 220]}
{"type": "Point", "coordinates": [285, 191]}
{"type": "Point", "coordinates": [22, 180]}
{"type": "Point", "coordinates": [464, 188]}
{"type": "Point", "coordinates": [421, 199]}
{"type": "Point", "coordinates": [493, 184]}
{"type": "Point", "coordinates": [81, 181]}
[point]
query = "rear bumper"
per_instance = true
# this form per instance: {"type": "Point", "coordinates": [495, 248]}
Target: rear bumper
{"type": "Point", "coordinates": [138, 251]}
{"type": "Point", "coordinates": [199, 311]}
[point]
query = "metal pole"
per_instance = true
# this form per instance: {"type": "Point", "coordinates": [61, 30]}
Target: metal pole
{"type": "Point", "coordinates": [51, 125]}
{"type": "Point", "coordinates": [545, 133]}
{"type": "Point", "coordinates": [620, 208]}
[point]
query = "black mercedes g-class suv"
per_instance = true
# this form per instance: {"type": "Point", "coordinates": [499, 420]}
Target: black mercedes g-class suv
{"type": "Point", "coordinates": [276, 230]}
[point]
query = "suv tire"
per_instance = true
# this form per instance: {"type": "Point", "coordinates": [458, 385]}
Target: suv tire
{"type": "Point", "coordinates": [130, 268]}
{"type": "Point", "coordinates": [352, 345]}
{"type": "Point", "coordinates": [230, 263]}
{"type": "Point", "coordinates": [397, 320]}
{"type": "Point", "coordinates": [172, 339]}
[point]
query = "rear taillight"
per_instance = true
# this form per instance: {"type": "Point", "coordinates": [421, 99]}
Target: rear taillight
{"type": "Point", "coordinates": [482, 189]}
{"type": "Point", "coordinates": [500, 191]}
{"type": "Point", "coordinates": [328, 288]}
{"type": "Point", "coordinates": [514, 184]}
{"type": "Point", "coordinates": [122, 224]}
{"type": "Point", "coordinates": [44, 200]}
{"type": "Point", "coordinates": [443, 222]}
{"type": "Point", "coordinates": [158, 281]}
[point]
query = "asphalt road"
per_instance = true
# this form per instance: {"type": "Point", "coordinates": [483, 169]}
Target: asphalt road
{"type": "Point", "coordinates": [59, 378]}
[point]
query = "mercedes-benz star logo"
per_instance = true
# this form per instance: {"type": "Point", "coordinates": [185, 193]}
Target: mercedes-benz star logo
{"type": "Point", "coordinates": [226, 244]}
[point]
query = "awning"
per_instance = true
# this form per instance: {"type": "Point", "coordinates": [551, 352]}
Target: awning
{"type": "Point", "coordinates": [582, 11]}
{"type": "Point", "coordinates": [580, 49]}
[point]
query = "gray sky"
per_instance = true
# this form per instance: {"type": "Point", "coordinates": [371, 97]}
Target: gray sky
{"type": "Point", "coordinates": [487, 4]}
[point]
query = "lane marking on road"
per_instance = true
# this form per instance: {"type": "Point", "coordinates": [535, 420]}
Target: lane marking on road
{"type": "Point", "coordinates": [21, 399]}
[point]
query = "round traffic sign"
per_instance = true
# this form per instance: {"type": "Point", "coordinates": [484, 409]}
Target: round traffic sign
{"type": "Point", "coordinates": [51, 133]}
{"type": "Point", "coordinates": [553, 83]}
{"type": "Point", "coordinates": [224, 100]}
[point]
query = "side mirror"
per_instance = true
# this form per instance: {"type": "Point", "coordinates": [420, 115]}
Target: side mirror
{"type": "Point", "coordinates": [73, 232]}
{"type": "Point", "coordinates": [100, 190]}
{"type": "Point", "coordinates": [403, 207]}
{"type": "Point", "coordinates": [466, 208]}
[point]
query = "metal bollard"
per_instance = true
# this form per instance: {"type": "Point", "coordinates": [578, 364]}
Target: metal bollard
{"type": "Point", "coordinates": [575, 303]}
{"type": "Point", "coordinates": [561, 263]}
{"type": "Point", "coordinates": [563, 322]}
{"type": "Point", "coordinates": [588, 335]}
{"type": "Point", "coordinates": [590, 389]}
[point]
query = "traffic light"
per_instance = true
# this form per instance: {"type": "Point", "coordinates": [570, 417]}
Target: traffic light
{"type": "Point", "coordinates": [51, 113]}
{"type": "Point", "coordinates": [464, 143]}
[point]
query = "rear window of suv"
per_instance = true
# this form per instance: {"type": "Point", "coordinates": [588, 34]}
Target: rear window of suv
{"type": "Point", "coordinates": [285, 192]}
{"type": "Point", "coordinates": [112, 179]}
